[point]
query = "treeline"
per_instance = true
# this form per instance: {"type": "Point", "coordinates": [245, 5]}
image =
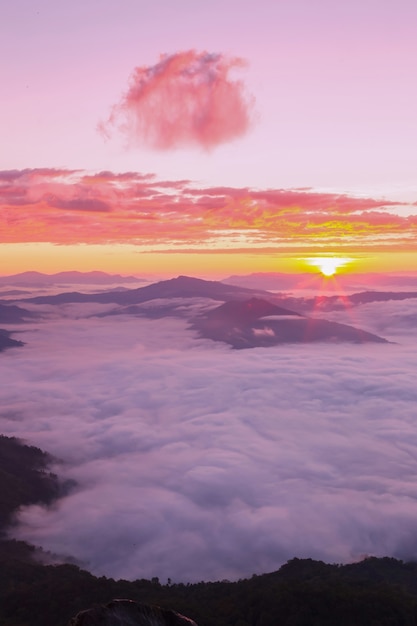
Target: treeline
{"type": "Point", "coordinates": [24, 478]}
{"type": "Point", "coordinates": [374, 592]}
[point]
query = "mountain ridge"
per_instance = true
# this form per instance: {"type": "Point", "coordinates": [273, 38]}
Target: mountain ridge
{"type": "Point", "coordinates": [182, 286]}
{"type": "Point", "coordinates": [33, 279]}
{"type": "Point", "coordinates": [259, 323]}
{"type": "Point", "coordinates": [239, 324]}
{"type": "Point", "coordinates": [7, 342]}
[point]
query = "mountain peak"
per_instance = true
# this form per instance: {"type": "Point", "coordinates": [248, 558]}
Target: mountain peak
{"type": "Point", "coordinates": [191, 279]}
{"type": "Point", "coordinates": [246, 310]}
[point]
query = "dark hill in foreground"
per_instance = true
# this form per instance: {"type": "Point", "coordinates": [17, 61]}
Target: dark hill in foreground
{"type": "Point", "coordinates": [376, 592]}
{"type": "Point", "coordinates": [373, 592]}
{"type": "Point", "coordinates": [24, 478]}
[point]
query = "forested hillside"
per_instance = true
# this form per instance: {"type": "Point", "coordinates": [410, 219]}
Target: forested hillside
{"type": "Point", "coordinates": [24, 478]}
{"type": "Point", "coordinates": [374, 592]}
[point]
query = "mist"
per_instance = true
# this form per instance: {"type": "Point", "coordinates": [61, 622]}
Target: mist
{"type": "Point", "coordinates": [194, 461]}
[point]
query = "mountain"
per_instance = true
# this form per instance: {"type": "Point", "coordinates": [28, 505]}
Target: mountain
{"type": "Point", "coordinates": [14, 292]}
{"type": "Point", "coordinates": [189, 287]}
{"type": "Point", "coordinates": [259, 323]}
{"type": "Point", "coordinates": [247, 311]}
{"type": "Point", "coordinates": [24, 478]}
{"type": "Point", "coordinates": [278, 281]}
{"type": "Point", "coordinates": [11, 314]}
{"type": "Point", "coordinates": [37, 279]}
{"type": "Point", "coordinates": [340, 302]}
{"type": "Point", "coordinates": [248, 318]}
{"type": "Point", "coordinates": [7, 342]}
{"type": "Point", "coordinates": [181, 287]}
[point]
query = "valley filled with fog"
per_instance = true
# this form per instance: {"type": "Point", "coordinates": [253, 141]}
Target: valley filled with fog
{"type": "Point", "coordinates": [194, 461]}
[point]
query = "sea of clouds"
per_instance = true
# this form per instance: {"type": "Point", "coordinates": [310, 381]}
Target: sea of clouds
{"type": "Point", "coordinates": [195, 461]}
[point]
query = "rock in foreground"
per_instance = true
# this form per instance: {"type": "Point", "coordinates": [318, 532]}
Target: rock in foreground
{"type": "Point", "coordinates": [129, 613]}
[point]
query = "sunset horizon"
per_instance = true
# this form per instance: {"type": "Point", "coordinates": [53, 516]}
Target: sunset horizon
{"type": "Point", "coordinates": [135, 222]}
{"type": "Point", "coordinates": [202, 146]}
{"type": "Point", "coordinates": [208, 293]}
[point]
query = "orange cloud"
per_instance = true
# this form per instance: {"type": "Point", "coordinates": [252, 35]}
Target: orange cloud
{"type": "Point", "coordinates": [187, 99]}
{"type": "Point", "coordinates": [70, 207]}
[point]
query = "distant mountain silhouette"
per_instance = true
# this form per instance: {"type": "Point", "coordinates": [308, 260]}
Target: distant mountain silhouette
{"type": "Point", "coordinates": [246, 311]}
{"type": "Point", "coordinates": [247, 319]}
{"type": "Point", "coordinates": [277, 280]}
{"type": "Point", "coordinates": [188, 287]}
{"type": "Point", "coordinates": [340, 302]}
{"type": "Point", "coordinates": [315, 280]}
{"type": "Point", "coordinates": [259, 323]}
{"type": "Point", "coordinates": [38, 279]}
{"type": "Point", "coordinates": [181, 287]}
{"type": "Point", "coordinates": [14, 292]}
{"type": "Point", "coordinates": [7, 342]}
{"type": "Point", "coordinates": [11, 314]}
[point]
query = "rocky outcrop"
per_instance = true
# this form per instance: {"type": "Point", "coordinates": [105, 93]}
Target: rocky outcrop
{"type": "Point", "coordinates": [129, 613]}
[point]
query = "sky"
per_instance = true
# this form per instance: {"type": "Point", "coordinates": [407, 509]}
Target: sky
{"type": "Point", "coordinates": [195, 461]}
{"type": "Point", "coordinates": [228, 137]}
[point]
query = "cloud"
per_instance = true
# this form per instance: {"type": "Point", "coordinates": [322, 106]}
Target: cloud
{"type": "Point", "coordinates": [28, 173]}
{"type": "Point", "coordinates": [77, 204]}
{"type": "Point", "coordinates": [69, 207]}
{"type": "Point", "coordinates": [396, 322]}
{"type": "Point", "coordinates": [196, 462]}
{"type": "Point", "coordinates": [186, 99]}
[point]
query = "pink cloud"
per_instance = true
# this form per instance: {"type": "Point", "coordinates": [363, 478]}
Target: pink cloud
{"type": "Point", "coordinates": [78, 207]}
{"type": "Point", "coordinates": [186, 99]}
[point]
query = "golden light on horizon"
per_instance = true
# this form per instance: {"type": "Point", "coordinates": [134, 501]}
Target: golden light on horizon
{"type": "Point", "coordinates": [328, 265]}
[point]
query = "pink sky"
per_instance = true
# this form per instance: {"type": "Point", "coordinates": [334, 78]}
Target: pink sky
{"type": "Point", "coordinates": [333, 86]}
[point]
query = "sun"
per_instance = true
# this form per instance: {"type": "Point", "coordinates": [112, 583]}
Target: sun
{"type": "Point", "coordinates": [328, 265]}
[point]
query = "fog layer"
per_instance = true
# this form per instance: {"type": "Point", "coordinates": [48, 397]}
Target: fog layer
{"type": "Point", "coordinates": [198, 462]}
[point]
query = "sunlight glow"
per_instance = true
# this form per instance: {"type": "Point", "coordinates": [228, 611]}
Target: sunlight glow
{"type": "Point", "coordinates": [328, 265]}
